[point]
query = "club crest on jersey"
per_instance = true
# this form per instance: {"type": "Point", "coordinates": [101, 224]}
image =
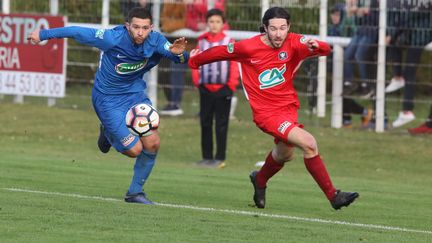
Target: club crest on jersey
{"type": "Point", "coordinates": [283, 55]}
{"type": "Point", "coordinates": [126, 68]}
{"type": "Point", "coordinates": [167, 45]}
{"type": "Point", "coordinates": [270, 78]}
{"type": "Point", "coordinates": [303, 40]}
{"type": "Point", "coordinates": [100, 33]}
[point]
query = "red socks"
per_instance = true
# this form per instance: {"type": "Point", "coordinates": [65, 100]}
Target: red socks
{"type": "Point", "coordinates": [317, 169]}
{"type": "Point", "coordinates": [314, 165]}
{"type": "Point", "coordinates": [268, 170]}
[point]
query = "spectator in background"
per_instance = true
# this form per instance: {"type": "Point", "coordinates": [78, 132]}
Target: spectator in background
{"type": "Point", "coordinates": [337, 14]}
{"type": "Point", "coordinates": [216, 83]}
{"type": "Point", "coordinates": [425, 128]}
{"type": "Point", "coordinates": [339, 25]}
{"type": "Point", "coordinates": [176, 15]}
{"type": "Point", "coordinates": [363, 16]}
{"type": "Point", "coordinates": [197, 11]}
{"type": "Point", "coordinates": [343, 25]}
{"type": "Point", "coordinates": [196, 21]}
{"type": "Point", "coordinates": [409, 31]}
{"type": "Point", "coordinates": [362, 48]}
{"type": "Point", "coordinates": [173, 17]}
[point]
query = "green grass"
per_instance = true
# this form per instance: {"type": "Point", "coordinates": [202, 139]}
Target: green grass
{"type": "Point", "coordinates": [54, 150]}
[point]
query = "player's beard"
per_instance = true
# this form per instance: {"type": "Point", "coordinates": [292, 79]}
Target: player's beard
{"type": "Point", "coordinates": [273, 42]}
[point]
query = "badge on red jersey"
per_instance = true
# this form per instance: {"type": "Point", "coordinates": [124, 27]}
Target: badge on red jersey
{"type": "Point", "coordinates": [270, 78]}
{"type": "Point", "coordinates": [230, 47]}
{"type": "Point", "coordinates": [303, 40]}
{"type": "Point", "coordinates": [283, 55]}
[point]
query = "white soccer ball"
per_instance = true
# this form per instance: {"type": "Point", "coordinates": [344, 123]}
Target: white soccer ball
{"type": "Point", "coordinates": [142, 118]}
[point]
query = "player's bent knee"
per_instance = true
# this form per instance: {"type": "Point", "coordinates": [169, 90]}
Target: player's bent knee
{"type": "Point", "coordinates": [309, 145]}
{"type": "Point", "coordinates": [311, 148]}
{"type": "Point", "coordinates": [151, 144]}
{"type": "Point", "coordinates": [152, 147]}
{"type": "Point", "coordinates": [284, 157]}
{"type": "Point", "coordinates": [135, 151]}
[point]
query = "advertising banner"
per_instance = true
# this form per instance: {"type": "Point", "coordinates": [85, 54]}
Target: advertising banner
{"type": "Point", "coordinates": [31, 69]}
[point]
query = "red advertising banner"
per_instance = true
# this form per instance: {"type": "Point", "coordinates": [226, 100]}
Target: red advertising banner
{"type": "Point", "coordinates": [27, 68]}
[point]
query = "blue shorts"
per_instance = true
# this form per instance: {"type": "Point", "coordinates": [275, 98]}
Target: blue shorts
{"type": "Point", "coordinates": [111, 110]}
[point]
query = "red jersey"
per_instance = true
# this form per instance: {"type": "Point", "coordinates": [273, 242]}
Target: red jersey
{"type": "Point", "coordinates": [267, 73]}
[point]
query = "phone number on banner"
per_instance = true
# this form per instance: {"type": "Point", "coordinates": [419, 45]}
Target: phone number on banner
{"type": "Point", "coordinates": [32, 84]}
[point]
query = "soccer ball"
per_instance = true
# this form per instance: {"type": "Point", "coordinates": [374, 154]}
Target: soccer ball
{"type": "Point", "coordinates": [142, 118]}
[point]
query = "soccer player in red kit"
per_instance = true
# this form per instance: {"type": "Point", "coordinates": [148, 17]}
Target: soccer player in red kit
{"type": "Point", "coordinates": [269, 62]}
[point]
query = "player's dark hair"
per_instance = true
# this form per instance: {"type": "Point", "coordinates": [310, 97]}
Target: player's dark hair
{"type": "Point", "coordinates": [274, 13]}
{"type": "Point", "coordinates": [215, 12]}
{"type": "Point", "coordinates": [140, 13]}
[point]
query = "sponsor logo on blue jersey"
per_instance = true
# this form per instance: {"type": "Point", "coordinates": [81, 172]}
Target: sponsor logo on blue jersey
{"type": "Point", "coordinates": [127, 140]}
{"type": "Point", "coordinates": [126, 68]}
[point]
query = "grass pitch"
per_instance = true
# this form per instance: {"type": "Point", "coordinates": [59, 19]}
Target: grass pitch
{"type": "Point", "coordinates": [55, 186]}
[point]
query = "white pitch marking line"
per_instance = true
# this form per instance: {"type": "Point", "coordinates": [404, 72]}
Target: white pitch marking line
{"type": "Point", "coordinates": [280, 216]}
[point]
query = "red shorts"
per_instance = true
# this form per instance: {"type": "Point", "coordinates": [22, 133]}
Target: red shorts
{"type": "Point", "coordinates": [278, 123]}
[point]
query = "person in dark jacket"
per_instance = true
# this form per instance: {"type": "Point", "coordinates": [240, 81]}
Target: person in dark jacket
{"type": "Point", "coordinates": [216, 83]}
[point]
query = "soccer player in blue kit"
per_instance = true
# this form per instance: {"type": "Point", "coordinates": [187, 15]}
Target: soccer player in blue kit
{"type": "Point", "coordinates": [128, 51]}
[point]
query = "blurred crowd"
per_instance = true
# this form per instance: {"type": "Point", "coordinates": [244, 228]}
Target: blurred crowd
{"type": "Point", "coordinates": [409, 30]}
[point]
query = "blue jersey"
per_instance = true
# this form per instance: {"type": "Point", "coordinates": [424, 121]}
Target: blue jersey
{"type": "Point", "coordinates": [122, 62]}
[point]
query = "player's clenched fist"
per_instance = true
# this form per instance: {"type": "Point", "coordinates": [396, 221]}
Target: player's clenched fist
{"type": "Point", "coordinates": [312, 44]}
{"type": "Point", "coordinates": [34, 36]}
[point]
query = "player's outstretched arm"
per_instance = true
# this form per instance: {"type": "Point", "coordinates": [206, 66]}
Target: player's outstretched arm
{"type": "Point", "coordinates": [217, 53]}
{"type": "Point", "coordinates": [34, 36]}
{"type": "Point", "coordinates": [192, 54]}
{"type": "Point", "coordinates": [100, 38]}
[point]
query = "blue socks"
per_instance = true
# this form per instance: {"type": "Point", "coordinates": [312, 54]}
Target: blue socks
{"type": "Point", "coordinates": [143, 166]}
